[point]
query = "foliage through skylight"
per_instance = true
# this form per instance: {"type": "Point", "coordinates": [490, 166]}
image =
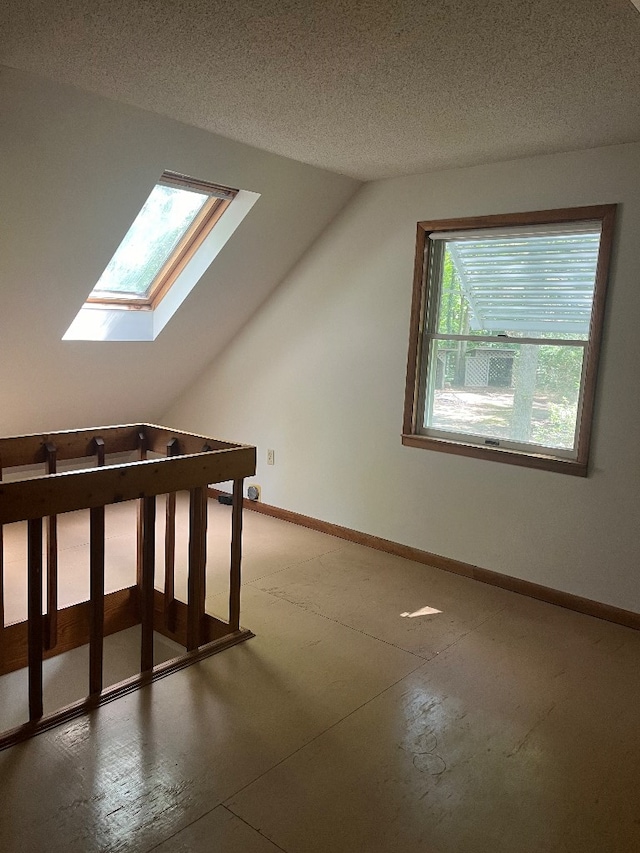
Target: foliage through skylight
{"type": "Point", "coordinates": [167, 215]}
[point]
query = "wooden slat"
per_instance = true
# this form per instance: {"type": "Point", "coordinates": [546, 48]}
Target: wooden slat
{"type": "Point", "coordinates": [169, 560]}
{"type": "Point", "coordinates": [71, 490]}
{"type": "Point", "coordinates": [96, 602]}
{"type": "Point", "coordinates": [197, 562]}
{"type": "Point", "coordinates": [236, 556]}
{"type": "Point", "coordinates": [35, 624]}
{"type": "Point", "coordinates": [146, 585]}
{"type": "Point", "coordinates": [96, 577]}
{"type": "Point", "coordinates": [1, 568]}
{"type": "Point", "coordinates": [51, 625]}
{"type": "Point", "coordinates": [1, 580]}
{"type": "Point", "coordinates": [121, 611]}
{"type": "Point", "coordinates": [142, 455]}
{"type": "Point", "coordinates": [173, 448]}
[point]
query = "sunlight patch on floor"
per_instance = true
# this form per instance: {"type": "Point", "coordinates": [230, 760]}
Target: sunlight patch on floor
{"type": "Point", "coordinates": [424, 611]}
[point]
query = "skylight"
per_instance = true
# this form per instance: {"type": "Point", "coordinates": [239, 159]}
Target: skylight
{"type": "Point", "coordinates": [171, 243]}
{"type": "Point", "coordinates": [174, 220]}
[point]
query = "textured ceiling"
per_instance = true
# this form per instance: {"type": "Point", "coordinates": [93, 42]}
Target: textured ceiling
{"type": "Point", "coordinates": [371, 89]}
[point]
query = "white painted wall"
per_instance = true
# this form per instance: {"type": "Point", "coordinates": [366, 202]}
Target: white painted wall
{"type": "Point", "coordinates": [318, 375]}
{"type": "Point", "coordinates": [75, 170]}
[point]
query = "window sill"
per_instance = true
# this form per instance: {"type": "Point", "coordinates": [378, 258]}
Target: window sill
{"type": "Point", "coordinates": [498, 454]}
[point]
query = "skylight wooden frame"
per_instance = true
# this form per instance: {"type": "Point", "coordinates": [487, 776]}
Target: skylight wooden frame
{"type": "Point", "coordinates": [219, 200]}
{"type": "Point", "coordinates": [422, 305]}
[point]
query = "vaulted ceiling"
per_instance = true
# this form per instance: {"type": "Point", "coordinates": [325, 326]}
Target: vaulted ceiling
{"type": "Point", "coordinates": [367, 88]}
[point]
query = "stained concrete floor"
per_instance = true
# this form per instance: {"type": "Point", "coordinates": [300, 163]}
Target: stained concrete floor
{"type": "Point", "coordinates": [356, 720]}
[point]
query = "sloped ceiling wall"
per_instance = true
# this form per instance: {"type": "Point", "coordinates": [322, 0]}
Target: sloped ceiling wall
{"type": "Point", "coordinates": [74, 171]}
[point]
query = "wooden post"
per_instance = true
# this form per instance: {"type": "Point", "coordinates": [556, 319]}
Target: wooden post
{"type": "Point", "coordinates": [96, 580]}
{"type": "Point", "coordinates": [35, 624]}
{"type": "Point", "coordinates": [197, 564]}
{"type": "Point", "coordinates": [236, 555]}
{"type": "Point", "coordinates": [96, 612]}
{"type": "Point", "coordinates": [146, 590]}
{"type": "Point", "coordinates": [51, 633]}
{"type": "Point", "coordinates": [142, 454]}
{"type": "Point", "coordinates": [98, 445]}
{"type": "Point", "coordinates": [173, 449]}
{"type": "Point", "coordinates": [1, 568]}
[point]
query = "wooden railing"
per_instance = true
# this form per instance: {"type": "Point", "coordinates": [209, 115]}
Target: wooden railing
{"type": "Point", "coordinates": [189, 462]}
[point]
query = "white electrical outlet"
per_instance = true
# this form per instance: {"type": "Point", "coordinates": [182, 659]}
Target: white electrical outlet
{"type": "Point", "coordinates": [271, 457]}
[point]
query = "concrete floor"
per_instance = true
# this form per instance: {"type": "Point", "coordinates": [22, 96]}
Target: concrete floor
{"type": "Point", "coordinates": [356, 720]}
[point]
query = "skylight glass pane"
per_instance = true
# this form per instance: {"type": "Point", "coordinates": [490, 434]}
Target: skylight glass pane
{"type": "Point", "coordinates": [532, 285]}
{"type": "Point", "coordinates": [167, 215]}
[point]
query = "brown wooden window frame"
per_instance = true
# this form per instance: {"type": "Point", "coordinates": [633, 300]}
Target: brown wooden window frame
{"type": "Point", "coordinates": [417, 357]}
{"type": "Point", "coordinates": [219, 200]}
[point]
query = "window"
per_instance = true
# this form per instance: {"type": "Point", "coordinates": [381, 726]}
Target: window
{"type": "Point", "coordinates": [166, 251]}
{"type": "Point", "coordinates": [172, 224]}
{"type": "Point", "coordinates": [505, 332]}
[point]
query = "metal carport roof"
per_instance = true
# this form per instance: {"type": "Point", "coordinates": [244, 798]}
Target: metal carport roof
{"type": "Point", "coordinates": [528, 282]}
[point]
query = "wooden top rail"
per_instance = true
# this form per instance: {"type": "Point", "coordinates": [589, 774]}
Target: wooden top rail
{"type": "Point", "coordinates": [76, 444]}
{"type": "Point", "coordinates": [158, 437]}
{"type": "Point", "coordinates": [51, 494]}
